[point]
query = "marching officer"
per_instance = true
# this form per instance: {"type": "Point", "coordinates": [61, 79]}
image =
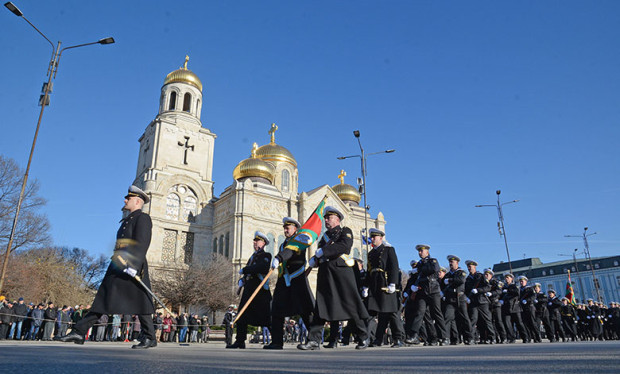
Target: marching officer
{"type": "Point", "coordinates": [258, 312]}
{"type": "Point", "coordinates": [477, 289]}
{"type": "Point", "coordinates": [382, 282]}
{"type": "Point", "coordinates": [409, 300]}
{"type": "Point", "coordinates": [337, 294]}
{"type": "Point", "coordinates": [427, 295]}
{"type": "Point", "coordinates": [527, 297]}
{"type": "Point", "coordinates": [292, 295]}
{"type": "Point", "coordinates": [542, 312]}
{"type": "Point", "coordinates": [554, 305]}
{"type": "Point", "coordinates": [119, 293]}
{"type": "Point", "coordinates": [511, 310]}
{"type": "Point", "coordinates": [457, 318]}
{"type": "Point", "coordinates": [495, 305]}
{"type": "Point", "coordinates": [229, 317]}
{"type": "Point", "coordinates": [569, 319]}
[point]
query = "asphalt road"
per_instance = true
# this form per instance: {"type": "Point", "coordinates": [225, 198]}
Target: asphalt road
{"type": "Point", "coordinates": [54, 357]}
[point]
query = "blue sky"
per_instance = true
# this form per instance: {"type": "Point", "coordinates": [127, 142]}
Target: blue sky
{"type": "Point", "coordinates": [474, 96]}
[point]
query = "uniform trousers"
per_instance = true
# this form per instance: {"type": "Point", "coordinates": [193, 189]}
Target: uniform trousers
{"type": "Point", "coordinates": [89, 320]}
{"type": "Point", "coordinates": [277, 328]}
{"type": "Point", "coordinates": [396, 326]}
{"type": "Point", "coordinates": [512, 319]}
{"type": "Point", "coordinates": [458, 321]}
{"type": "Point", "coordinates": [480, 316]}
{"type": "Point", "coordinates": [529, 318]}
{"type": "Point", "coordinates": [498, 323]}
{"type": "Point", "coordinates": [433, 304]}
{"type": "Point", "coordinates": [316, 327]}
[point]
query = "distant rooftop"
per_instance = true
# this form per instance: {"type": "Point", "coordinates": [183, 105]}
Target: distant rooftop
{"type": "Point", "coordinates": [533, 267]}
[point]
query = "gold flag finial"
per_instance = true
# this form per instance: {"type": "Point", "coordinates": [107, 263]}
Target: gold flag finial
{"type": "Point", "coordinates": [186, 60]}
{"type": "Point", "coordinates": [272, 132]}
{"type": "Point", "coordinates": [342, 175]}
{"type": "Point", "coordinates": [254, 149]}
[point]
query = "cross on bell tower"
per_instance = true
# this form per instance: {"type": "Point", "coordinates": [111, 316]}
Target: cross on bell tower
{"type": "Point", "coordinates": [272, 132]}
{"type": "Point", "coordinates": [187, 147]}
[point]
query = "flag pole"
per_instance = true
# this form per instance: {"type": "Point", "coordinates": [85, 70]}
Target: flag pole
{"type": "Point", "coordinates": [253, 296]}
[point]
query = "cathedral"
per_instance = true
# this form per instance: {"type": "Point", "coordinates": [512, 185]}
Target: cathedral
{"type": "Point", "coordinates": [175, 168]}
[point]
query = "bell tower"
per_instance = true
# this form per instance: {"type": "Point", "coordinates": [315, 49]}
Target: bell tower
{"type": "Point", "coordinates": [175, 167]}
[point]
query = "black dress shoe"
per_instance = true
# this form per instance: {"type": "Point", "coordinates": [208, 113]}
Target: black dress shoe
{"type": "Point", "coordinates": [144, 344]}
{"type": "Point", "coordinates": [397, 344]}
{"type": "Point", "coordinates": [310, 346]}
{"type": "Point", "coordinates": [272, 346]}
{"type": "Point", "coordinates": [330, 345]}
{"type": "Point", "coordinates": [374, 343]}
{"type": "Point", "coordinates": [71, 337]}
{"type": "Point", "coordinates": [240, 345]}
{"type": "Point", "coordinates": [361, 345]}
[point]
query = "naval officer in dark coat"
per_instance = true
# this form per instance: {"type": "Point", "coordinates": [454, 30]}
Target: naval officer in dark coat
{"type": "Point", "coordinates": [337, 295]}
{"type": "Point", "coordinates": [119, 293]}
{"type": "Point", "coordinates": [292, 295]}
{"type": "Point", "coordinates": [382, 283]}
{"type": "Point", "coordinates": [258, 312]}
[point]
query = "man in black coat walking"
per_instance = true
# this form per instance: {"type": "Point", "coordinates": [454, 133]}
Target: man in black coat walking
{"type": "Point", "coordinates": [337, 295]}
{"type": "Point", "coordinates": [381, 284]}
{"type": "Point", "coordinates": [258, 312]}
{"type": "Point", "coordinates": [119, 293]}
{"type": "Point", "coordinates": [292, 295]}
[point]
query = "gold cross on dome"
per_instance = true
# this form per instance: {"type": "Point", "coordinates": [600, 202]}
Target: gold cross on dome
{"type": "Point", "coordinates": [186, 60]}
{"type": "Point", "coordinates": [272, 132]}
{"type": "Point", "coordinates": [254, 149]}
{"type": "Point", "coordinates": [341, 176]}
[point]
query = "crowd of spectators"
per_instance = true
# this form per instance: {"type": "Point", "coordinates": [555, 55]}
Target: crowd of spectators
{"type": "Point", "coordinates": [21, 321]}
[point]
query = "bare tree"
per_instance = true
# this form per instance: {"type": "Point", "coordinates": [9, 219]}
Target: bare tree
{"type": "Point", "coordinates": [206, 281]}
{"type": "Point", "coordinates": [32, 226]}
{"type": "Point", "coordinates": [60, 275]}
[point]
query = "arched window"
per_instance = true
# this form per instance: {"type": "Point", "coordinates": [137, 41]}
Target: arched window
{"type": "Point", "coordinates": [271, 245]}
{"type": "Point", "coordinates": [189, 208]}
{"type": "Point", "coordinates": [197, 106]}
{"type": "Point", "coordinates": [214, 245]}
{"type": "Point", "coordinates": [281, 239]}
{"type": "Point", "coordinates": [173, 101]}
{"type": "Point", "coordinates": [187, 102]}
{"type": "Point", "coordinates": [173, 203]}
{"type": "Point", "coordinates": [221, 251]}
{"type": "Point", "coordinates": [285, 180]}
{"type": "Point", "coordinates": [227, 250]}
{"type": "Point", "coordinates": [356, 253]}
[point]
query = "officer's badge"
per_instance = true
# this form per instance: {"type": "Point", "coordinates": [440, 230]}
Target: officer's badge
{"type": "Point", "coordinates": [349, 236]}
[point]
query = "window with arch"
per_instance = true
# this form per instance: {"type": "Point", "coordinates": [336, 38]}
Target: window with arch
{"type": "Point", "coordinates": [227, 250]}
{"type": "Point", "coordinates": [269, 247]}
{"type": "Point", "coordinates": [181, 204]}
{"type": "Point", "coordinates": [173, 204]}
{"type": "Point", "coordinates": [172, 103]}
{"type": "Point", "coordinates": [286, 176]}
{"type": "Point", "coordinates": [197, 106]}
{"type": "Point", "coordinates": [356, 253]}
{"type": "Point", "coordinates": [214, 245]}
{"type": "Point", "coordinates": [187, 102]}
{"type": "Point", "coordinates": [281, 240]}
{"type": "Point", "coordinates": [221, 251]}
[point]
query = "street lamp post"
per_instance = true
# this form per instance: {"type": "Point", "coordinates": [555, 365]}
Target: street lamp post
{"type": "Point", "coordinates": [500, 224]}
{"type": "Point", "coordinates": [362, 185]}
{"type": "Point", "coordinates": [587, 253]}
{"type": "Point", "coordinates": [43, 102]}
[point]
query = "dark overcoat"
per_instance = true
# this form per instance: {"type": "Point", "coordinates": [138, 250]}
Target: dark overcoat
{"type": "Point", "coordinates": [382, 270]}
{"type": "Point", "coordinates": [481, 284]}
{"type": "Point", "coordinates": [454, 286]}
{"type": "Point", "coordinates": [296, 298]}
{"type": "Point", "coordinates": [258, 312]}
{"type": "Point", "coordinates": [119, 293]}
{"type": "Point", "coordinates": [337, 295]}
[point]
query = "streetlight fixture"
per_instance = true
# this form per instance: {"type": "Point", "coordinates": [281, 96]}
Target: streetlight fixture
{"type": "Point", "coordinates": [43, 102]}
{"type": "Point", "coordinates": [362, 183]}
{"type": "Point", "coordinates": [500, 225]}
{"type": "Point", "coordinates": [587, 253]}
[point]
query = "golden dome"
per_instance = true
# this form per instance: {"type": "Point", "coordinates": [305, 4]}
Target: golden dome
{"type": "Point", "coordinates": [346, 192]}
{"type": "Point", "coordinates": [275, 152]}
{"type": "Point", "coordinates": [184, 75]}
{"type": "Point", "coordinates": [254, 167]}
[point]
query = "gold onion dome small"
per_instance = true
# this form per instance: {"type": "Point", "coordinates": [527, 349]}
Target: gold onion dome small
{"type": "Point", "coordinates": [275, 152]}
{"type": "Point", "coordinates": [346, 192]}
{"type": "Point", "coordinates": [254, 167]}
{"type": "Point", "coordinates": [184, 75]}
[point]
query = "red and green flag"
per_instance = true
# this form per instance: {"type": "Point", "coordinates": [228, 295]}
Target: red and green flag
{"type": "Point", "coordinates": [570, 293]}
{"type": "Point", "coordinates": [310, 231]}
